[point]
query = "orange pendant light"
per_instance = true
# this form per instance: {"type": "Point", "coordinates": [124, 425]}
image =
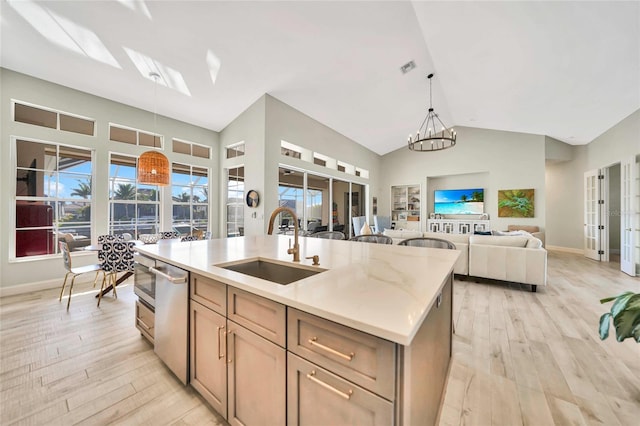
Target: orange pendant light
{"type": "Point", "coordinates": [153, 166]}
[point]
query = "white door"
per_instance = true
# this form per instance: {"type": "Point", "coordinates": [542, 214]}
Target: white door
{"type": "Point", "coordinates": [592, 214]}
{"type": "Point", "coordinates": [628, 193]}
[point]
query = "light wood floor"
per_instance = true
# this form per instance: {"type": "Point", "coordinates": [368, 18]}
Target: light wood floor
{"type": "Point", "coordinates": [519, 358]}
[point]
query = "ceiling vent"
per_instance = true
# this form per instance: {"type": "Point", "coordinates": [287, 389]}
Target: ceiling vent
{"type": "Point", "coordinates": [407, 67]}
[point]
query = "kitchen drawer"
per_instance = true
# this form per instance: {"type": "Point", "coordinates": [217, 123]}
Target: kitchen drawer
{"type": "Point", "coordinates": [262, 316]}
{"type": "Point", "coordinates": [316, 396]}
{"type": "Point", "coordinates": [145, 320]}
{"type": "Point", "coordinates": [359, 357]}
{"type": "Point", "coordinates": [209, 292]}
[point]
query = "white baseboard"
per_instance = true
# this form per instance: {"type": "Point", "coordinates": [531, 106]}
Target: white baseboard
{"type": "Point", "coordinates": [41, 285]}
{"type": "Point", "coordinates": [565, 249]}
{"type": "Point", "coordinates": [29, 287]}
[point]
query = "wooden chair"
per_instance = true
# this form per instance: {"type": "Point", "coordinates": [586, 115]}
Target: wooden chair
{"type": "Point", "coordinates": [373, 238]}
{"type": "Point", "coordinates": [66, 257]}
{"type": "Point", "coordinates": [329, 235]}
{"type": "Point", "coordinates": [115, 257]}
{"type": "Point", "coordinates": [428, 242]}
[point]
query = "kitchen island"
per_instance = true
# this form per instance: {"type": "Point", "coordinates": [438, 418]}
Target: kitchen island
{"type": "Point", "coordinates": [367, 340]}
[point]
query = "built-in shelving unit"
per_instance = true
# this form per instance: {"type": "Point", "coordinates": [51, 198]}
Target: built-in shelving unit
{"type": "Point", "coordinates": [405, 206]}
{"type": "Point", "coordinates": [458, 226]}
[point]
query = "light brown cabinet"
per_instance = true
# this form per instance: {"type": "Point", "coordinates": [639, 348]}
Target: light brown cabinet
{"type": "Point", "coordinates": [208, 356]}
{"type": "Point", "coordinates": [259, 362]}
{"type": "Point", "coordinates": [257, 379]}
{"type": "Point", "coordinates": [319, 397]}
{"type": "Point", "coordinates": [241, 374]}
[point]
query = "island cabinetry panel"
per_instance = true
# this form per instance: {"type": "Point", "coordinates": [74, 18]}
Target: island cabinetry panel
{"type": "Point", "coordinates": [257, 379]}
{"type": "Point", "coordinates": [239, 372]}
{"type": "Point", "coordinates": [425, 364]}
{"type": "Point", "coordinates": [208, 356]}
{"type": "Point", "coordinates": [318, 397]}
{"type": "Point", "coordinates": [262, 316]}
{"type": "Point", "coordinates": [364, 359]}
{"type": "Point", "coordinates": [145, 320]}
{"type": "Point", "coordinates": [209, 292]}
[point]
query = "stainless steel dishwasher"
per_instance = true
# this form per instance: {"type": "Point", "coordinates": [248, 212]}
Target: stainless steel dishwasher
{"type": "Point", "coordinates": [172, 318]}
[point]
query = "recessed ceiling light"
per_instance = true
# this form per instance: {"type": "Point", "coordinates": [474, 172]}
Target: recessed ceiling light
{"type": "Point", "coordinates": [407, 67]}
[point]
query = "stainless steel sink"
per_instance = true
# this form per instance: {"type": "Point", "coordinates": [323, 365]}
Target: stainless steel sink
{"type": "Point", "coordinates": [270, 271]}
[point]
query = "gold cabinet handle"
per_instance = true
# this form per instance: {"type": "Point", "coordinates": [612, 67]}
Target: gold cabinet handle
{"type": "Point", "coordinates": [311, 376]}
{"type": "Point", "coordinates": [220, 355]}
{"type": "Point", "coordinates": [313, 341]}
{"type": "Point", "coordinates": [142, 323]}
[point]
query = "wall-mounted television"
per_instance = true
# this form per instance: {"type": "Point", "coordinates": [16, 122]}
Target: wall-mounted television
{"type": "Point", "coordinates": [459, 201]}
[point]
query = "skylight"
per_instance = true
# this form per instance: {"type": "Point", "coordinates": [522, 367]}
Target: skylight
{"type": "Point", "coordinates": [63, 32]}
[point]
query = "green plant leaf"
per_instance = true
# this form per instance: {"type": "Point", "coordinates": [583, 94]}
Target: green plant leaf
{"type": "Point", "coordinates": [625, 323]}
{"type": "Point", "coordinates": [604, 326]}
{"type": "Point", "coordinates": [620, 304]}
{"type": "Point", "coordinates": [636, 333]}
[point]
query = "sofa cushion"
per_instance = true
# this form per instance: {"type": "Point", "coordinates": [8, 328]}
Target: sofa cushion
{"type": "Point", "coordinates": [534, 243]}
{"type": "Point", "coordinates": [528, 228]}
{"type": "Point", "coordinates": [454, 238]}
{"type": "Point", "coordinates": [498, 241]}
{"type": "Point", "coordinates": [401, 233]}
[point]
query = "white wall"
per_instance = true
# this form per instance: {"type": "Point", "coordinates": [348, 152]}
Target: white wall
{"type": "Point", "coordinates": [565, 179]}
{"type": "Point", "coordinates": [39, 92]}
{"type": "Point", "coordinates": [505, 160]}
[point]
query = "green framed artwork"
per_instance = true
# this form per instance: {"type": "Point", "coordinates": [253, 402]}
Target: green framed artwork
{"type": "Point", "coordinates": [516, 203]}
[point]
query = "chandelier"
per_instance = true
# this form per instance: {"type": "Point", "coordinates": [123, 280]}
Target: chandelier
{"type": "Point", "coordinates": [153, 166]}
{"type": "Point", "coordinates": [432, 135]}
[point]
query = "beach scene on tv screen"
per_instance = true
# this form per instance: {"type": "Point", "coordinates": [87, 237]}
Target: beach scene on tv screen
{"type": "Point", "coordinates": [459, 201]}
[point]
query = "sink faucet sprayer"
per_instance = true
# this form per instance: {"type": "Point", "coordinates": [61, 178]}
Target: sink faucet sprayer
{"type": "Point", "coordinates": [295, 250]}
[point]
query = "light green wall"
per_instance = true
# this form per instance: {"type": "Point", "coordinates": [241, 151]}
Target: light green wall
{"type": "Point", "coordinates": [565, 180]}
{"type": "Point", "coordinates": [250, 128]}
{"type": "Point", "coordinates": [504, 160]}
{"type": "Point", "coordinates": [288, 124]}
{"type": "Point", "coordinates": [39, 92]}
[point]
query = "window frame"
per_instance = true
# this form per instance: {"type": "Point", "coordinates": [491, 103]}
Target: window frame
{"type": "Point", "coordinates": [191, 204]}
{"type": "Point", "coordinates": [55, 227]}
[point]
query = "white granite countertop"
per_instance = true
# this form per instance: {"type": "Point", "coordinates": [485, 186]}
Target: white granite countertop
{"type": "Point", "coordinates": [384, 290]}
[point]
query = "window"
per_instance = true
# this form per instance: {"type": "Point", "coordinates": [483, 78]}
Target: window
{"type": "Point", "coordinates": [53, 197]}
{"type": "Point", "coordinates": [37, 116]}
{"type": "Point", "coordinates": [190, 148]}
{"type": "Point", "coordinates": [319, 161]}
{"type": "Point", "coordinates": [134, 137]}
{"type": "Point", "coordinates": [235, 150]}
{"type": "Point", "coordinates": [235, 202]}
{"type": "Point", "coordinates": [133, 208]}
{"type": "Point", "coordinates": [190, 198]}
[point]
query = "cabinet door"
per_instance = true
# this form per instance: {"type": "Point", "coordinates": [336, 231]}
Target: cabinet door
{"type": "Point", "coordinates": [318, 397]}
{"type": "Point", "coordinates": [257, 379]}
{"type": "Point", "coordinates": [208, 358]}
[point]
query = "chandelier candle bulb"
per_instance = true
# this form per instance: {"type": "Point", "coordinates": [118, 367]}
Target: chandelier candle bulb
{"type": "Point", "coordinates": [428, 128]}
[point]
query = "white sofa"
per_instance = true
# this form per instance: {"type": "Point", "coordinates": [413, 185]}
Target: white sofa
{"type": "Point", "coordinates": [508, 258]}
{"type": "Point", "coordinates": [517, 258]}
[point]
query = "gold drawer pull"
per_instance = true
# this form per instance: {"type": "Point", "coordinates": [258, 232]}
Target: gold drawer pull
{"type": "Point", "coordinates": [313, 341]}
{"type": "Point", "coordinates": [220, 355]}
{"type": "Point", "coordinates": [311, 376]}
{"type": "Point", "coordinates": [143, 324]}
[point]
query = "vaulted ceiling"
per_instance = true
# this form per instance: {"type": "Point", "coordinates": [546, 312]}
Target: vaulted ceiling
{"type": "Point", "coordinates": [570, 70]}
